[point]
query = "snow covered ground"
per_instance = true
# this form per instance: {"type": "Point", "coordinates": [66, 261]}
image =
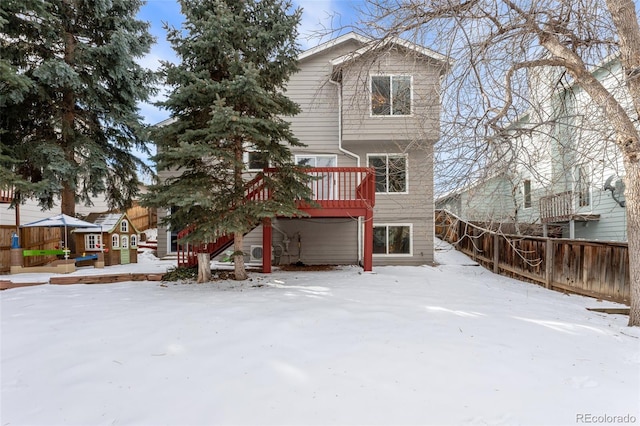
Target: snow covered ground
{"type": "Point", "coordinates": [451, 344]}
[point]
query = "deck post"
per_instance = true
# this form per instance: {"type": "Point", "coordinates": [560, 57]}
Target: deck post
{"type": "Point", "coordinates": [266, 245]}
{"type": "Point", "coordinates": [368, 241]}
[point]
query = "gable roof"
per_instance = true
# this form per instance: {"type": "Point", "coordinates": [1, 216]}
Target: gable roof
{"type": "Point", "coordinates": [369, 45]}
{"type": "Point", "coordinates": [107, 221]}
{"type": "Point", "coordinates": [373, 45]}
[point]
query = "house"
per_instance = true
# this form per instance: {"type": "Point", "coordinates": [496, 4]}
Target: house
{"type": "Point", "coordinates": [562, 168]}
{"type": "Point", "coordinates": [117, 238]}
{"type": "Point", "coordinates": [370, 117]}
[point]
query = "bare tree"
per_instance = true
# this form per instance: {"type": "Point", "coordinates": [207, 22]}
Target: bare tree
{"type": "Point", "coordinates": [498, 46]}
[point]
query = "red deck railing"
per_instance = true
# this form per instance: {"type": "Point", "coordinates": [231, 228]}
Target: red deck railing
{"type": "Point", "coordinates": [350, 190]}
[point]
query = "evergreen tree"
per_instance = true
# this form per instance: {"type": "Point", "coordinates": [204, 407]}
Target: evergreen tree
{"type": "Point", "coordinates": [69, 89]}
{"type": "Point", "coordinates": [227, 99]}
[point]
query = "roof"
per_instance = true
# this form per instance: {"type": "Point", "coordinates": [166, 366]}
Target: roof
{"type": "Point", "coordinates": [107, 221]}
{"type": "Point", "coordinates": [370, 44]}
{"type": "Point", "coordinates": [373, 45]}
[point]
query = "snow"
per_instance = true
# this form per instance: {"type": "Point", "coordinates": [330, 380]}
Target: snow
{"type": "Point", "coordinates": [450, 344]}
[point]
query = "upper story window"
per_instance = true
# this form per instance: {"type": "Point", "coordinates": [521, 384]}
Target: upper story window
{"type": "Point", "coordinates": [124, 226]}
{"type": "Point", "coordinates": [527, 193]}
{"type": "Point", "coordinates": [583, 185]}
{"type": "Point", "coordinates": [391, 172]}
{"type": "Point", "coordinates": [256, 161]}
{"type": "Point", "coordinates": [390, 95]}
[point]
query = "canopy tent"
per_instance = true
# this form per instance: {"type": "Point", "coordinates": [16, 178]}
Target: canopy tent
{"type": "Point", "coordinates": [60, 221]}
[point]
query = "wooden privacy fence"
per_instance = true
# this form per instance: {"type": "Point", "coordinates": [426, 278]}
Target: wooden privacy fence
{"type": "Point", "coordinates": [142, 218]}
{"type": "Point", "coordinates": [30, 239]}
{"type": "Point", "coordinates": [591, 268]}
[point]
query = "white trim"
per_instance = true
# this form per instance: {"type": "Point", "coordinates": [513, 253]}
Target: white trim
{"type": "Point", "coordinates": [387, 225]}
{"type": "Point", "coordinates": [334, 156]}
{"type": "Point", "coordinates": [391, 76]}
{"type": "Point", "coordinates": [334, 42]}
{"type": "Point", "coordinates": [115, 238]}
{"type": "Point", "coordinates": [168, 248]}
{"type": "Point", "coordinates": [98, 240]}
{"type": "Point", "coordinates": [406, 172]}
{"type": "Point", "coordinates": [374, 44]}
{"type": "Point", "coordinates": [245, 159]}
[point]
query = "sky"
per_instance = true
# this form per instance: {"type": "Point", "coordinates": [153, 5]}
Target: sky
{"type": "Point", "coordinates": [317, 16]}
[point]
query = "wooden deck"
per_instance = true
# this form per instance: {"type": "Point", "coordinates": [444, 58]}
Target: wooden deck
{"type": "Point", "coordinates": [337, 192]}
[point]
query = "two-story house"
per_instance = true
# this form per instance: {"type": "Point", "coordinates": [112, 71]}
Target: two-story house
{"type": "Point", "coordinates": [369, 120]}
{"type": "Point", "coordinates": [560, 167]}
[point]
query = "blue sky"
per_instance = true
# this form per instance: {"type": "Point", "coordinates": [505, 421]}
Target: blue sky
{"type": "Point", "coordinates": [317, 14]}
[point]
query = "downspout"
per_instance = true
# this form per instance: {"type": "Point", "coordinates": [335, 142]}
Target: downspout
{"type": "Point", "coordinates": [347, 152]}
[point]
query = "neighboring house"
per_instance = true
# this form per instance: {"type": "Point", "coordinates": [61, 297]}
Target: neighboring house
{"type": "Point", "coordinates": [361, 108]}
{"type": "Point", "coordinates": [565, 170]}
{"type": "Point", "coordinates": [117, 238]}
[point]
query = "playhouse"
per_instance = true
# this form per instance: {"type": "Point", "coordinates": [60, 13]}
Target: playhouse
{"type": "Point", "coordinates": [116, 237]}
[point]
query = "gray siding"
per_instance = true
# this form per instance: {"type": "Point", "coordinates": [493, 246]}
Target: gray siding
{"type": "Point", "coordinates": [415, 208]}
{"type": "Point", "coordinates": [360, 125]}
{"type": "Point", "coordinates": [317, 125]}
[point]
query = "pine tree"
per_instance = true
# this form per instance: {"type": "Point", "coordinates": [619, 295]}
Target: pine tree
{"type": "Point", "coordinates": [69, 90]}
{"type": "Point", "coordinates": [228, 98]}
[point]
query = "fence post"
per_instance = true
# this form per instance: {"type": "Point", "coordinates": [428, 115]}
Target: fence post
{"type": "Point", "coordinates": [496, 252]}
{"type": "Point", "coordinates": [549, 261]}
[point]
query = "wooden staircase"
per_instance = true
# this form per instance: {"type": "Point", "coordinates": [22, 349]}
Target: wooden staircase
{"type": "Point", "coordinates": [337, 192]}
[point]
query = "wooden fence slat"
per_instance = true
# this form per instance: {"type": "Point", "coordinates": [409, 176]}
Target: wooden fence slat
{"type": "Point", "coordinates": [592, 268]}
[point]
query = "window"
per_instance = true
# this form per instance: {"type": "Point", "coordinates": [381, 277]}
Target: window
{"type": "Point", "coordinates": [583, 186]}
{"type": "Point", "coordinates": [527, 193]}
{"type": "Point", "coordinates": [134, 241]}
{"type": "Point", "coordinates": [125, 242]}
{"type": "Point", "coordinates": [256, 161]}
{"type": "Point", "coordinates": [124, 226]}
{"type": "Point", "coordinates": [115, 241]}
{"type": "Point", "coordinates": [392, 239]}
{"type": "Point", "coordinates": [317, 160]}
{"type": "Point", "coordinates": [391, 95]}
{"type": "Point", "coordinates": [323, 184]}
{"type": "Point", "coordinates": [391, 172]}
{"type": "Point", "coordinates": [92, 242]}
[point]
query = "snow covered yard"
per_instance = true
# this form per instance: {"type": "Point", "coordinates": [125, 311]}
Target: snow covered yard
{"type": "Point", "coordinates": [451, 344]}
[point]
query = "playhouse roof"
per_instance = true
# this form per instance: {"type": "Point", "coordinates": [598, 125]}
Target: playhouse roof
{"type": "Point", "coordinates": [107, 221]}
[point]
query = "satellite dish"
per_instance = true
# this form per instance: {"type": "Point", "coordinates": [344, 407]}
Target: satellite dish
{"type": "Point", "coordinates": [617, 189]}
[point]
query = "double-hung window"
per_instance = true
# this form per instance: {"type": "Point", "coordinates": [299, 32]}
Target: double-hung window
{"type": "Point", "coordinates": [392, 239]}
{"type": "Point", "coordinates": [390, 95]}
{"type": "Point", "coordinates": [391, 172]}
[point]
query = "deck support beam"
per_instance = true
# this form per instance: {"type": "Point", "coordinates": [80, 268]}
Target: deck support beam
{"type": "Point", "coordinates": [368, 241]}
{"type": "Point", "coordinates": [267, 234]}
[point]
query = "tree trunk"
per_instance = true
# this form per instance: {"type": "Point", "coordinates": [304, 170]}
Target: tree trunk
{"type": "Point", "coordinates": [238, 257]}
{"type": "Point", "coordinates": [632, 198]}
{"type": "Point", "coordinates": [204, 268]}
